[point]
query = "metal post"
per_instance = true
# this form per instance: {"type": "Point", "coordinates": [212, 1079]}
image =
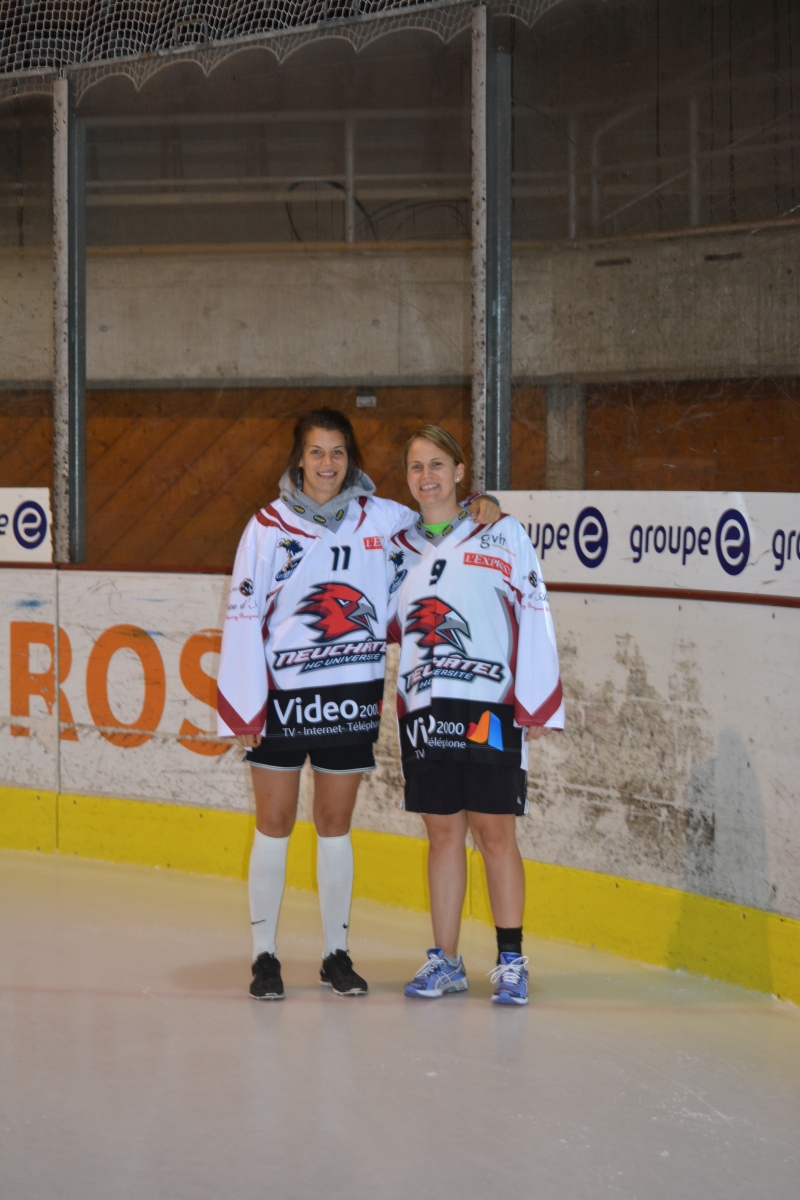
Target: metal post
{"type": "Point", "coordinates": [350, 180]}
{"type": "Point", "coordinates": [60, 320]}
{"type": "Point", "coordinates": [491, 251]}
{"type": "Point", "coordinates": [69, 329]}
{"type": "Point", "coordinates": [478, 208]}
{"type": "Point", "coordinates": [595, 182]}
{"type": "Point", "coordinates": [694, 163]}
{"type": "Point", "coordinates": [565, 467]}
{"type": "Point", "coordinates": [572, 177]}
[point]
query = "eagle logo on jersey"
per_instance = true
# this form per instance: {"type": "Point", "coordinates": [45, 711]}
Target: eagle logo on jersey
{"type": "Point", "coordinates": [397, 558]}
{"type": "Point", "coordinates": [339, 609]}
{"type": "Point", "coordinates": [293, 552]}
{"type": "Point", "coordinates": [438, 624]}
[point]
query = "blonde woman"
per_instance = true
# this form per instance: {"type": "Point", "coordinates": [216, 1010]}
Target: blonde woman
{"type": "Point", "coordinates": [478, 679]}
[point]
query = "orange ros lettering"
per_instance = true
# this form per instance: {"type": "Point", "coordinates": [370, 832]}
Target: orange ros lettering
{"type": "Point", "coordinates": [488, 560]}
{"type": "Point", "coordinates": [202, 686]}
{"type": "Point", "coordinates": [26, 683]}
{"type": "Point", "coordinates": [129, 637]}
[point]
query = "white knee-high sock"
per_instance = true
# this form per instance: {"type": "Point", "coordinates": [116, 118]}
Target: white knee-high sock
{"type": "Point", "coordinates": [335, 883]}
{"type": "Point", "coordinates": [266, 880]}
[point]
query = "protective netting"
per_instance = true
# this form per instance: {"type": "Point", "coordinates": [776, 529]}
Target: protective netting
{"type": "Point", "coordinates": [51, 34]}
{"type": "Point", "coordinates": [56, 33]}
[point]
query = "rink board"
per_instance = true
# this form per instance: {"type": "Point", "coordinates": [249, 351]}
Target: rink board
{"type": "Point", "coordinates": [663, 824]}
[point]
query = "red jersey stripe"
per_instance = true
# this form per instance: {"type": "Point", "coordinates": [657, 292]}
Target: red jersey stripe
{"type": "Point", "coordinates": [279, 523]}
{"type": "Point", "coordinates": [545, 710]}
{"type": "Point", "coordinates": [237, 723]}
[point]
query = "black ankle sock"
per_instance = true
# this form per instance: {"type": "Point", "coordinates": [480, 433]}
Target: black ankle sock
{"type": "Point", "coordinates": [509, 941]}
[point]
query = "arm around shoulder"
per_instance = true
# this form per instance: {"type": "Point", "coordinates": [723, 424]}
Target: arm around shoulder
{"type": "Point", "coordinates": [393, 516]}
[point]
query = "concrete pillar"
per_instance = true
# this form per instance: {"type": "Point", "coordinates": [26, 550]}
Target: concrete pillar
{"type": "Point", "coordinates": [566, 437]}
{"type": "Point", "coordinates": [69, 329]}
{"type": "Point", "coordinates": [491, 250]}
{"type": "Point", "coordinates": [77, 339]}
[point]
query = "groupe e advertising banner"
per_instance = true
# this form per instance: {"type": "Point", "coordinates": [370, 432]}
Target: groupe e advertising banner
{"type": "Point", "coordinates": [128, 660]}
{"type": "Point", "coordinates": [25, 525]}
{"type": "Point", "coordinates": [746, 542]}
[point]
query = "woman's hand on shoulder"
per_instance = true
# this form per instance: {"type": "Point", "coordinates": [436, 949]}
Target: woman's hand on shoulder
{"type": "Point", "coordinates": [248, 741]}
{"type": "Point", "coordinates": [485, 511]}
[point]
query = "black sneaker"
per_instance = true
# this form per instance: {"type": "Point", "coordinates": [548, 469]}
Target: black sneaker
{"type": "Point", "coordinates": [267, 983]}
{"type": "Point", "coordinates": [337, 973]}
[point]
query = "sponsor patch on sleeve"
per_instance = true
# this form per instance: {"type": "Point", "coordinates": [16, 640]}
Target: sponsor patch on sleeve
{"type": "Point", "coordinates": [373, 543]}
{"type": "Point", "coordinates": [488, 560]}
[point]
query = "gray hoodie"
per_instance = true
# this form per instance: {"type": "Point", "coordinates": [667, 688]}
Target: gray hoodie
{"type": "Point", "coordinates": [332, 512]}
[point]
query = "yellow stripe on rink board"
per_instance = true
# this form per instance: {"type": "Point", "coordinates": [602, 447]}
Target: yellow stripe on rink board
{"type": "Point", "coordinates": [658, 925]}
{"type": "Point", "coordinates": [391, 869]}
{"type": "Point", "coordinates": [176, 836]}
{"type": "Point", "coordinates": [157, 835]}
{"type": "Point", "coordinates": [28, 819]}
{"type": "Point", "coordinates": [642, 921]}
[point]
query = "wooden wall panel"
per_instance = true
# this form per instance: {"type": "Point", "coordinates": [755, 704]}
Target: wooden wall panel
{"type": "Point", "coordinates": [528, 438]}
{"type": "Point", "coordinates": [197, 464]}
{"type": "Point", "coordinates": [741, 435]}
{"type": "Point", "coordinates": [26, 439]}
{"type": "Point", "coordinates": [174, 475]}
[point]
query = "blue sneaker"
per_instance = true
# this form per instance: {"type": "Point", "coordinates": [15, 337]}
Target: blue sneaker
{"type": "Point", "coordinates": [511, 977]}
{"type": "Point", "coordinates": [436, 977]}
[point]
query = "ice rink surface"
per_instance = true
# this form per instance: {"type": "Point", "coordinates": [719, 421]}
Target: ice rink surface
{"type": "Point", "coordinates": [134, 1064]}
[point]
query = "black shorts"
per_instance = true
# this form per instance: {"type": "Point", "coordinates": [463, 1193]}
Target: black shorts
{"type": "Point", "coordinates": [336, 760]}
{"type": "Point", "coordinates": [442, 789]}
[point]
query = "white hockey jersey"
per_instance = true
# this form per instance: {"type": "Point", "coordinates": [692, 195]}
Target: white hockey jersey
{"type": "Point", "coordinates": [304, 643]}
{"type": "Point", "coordinates": [478, 656]}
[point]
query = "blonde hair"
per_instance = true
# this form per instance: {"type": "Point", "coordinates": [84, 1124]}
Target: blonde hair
{"type": "Point", "coordinates": [441, 438]}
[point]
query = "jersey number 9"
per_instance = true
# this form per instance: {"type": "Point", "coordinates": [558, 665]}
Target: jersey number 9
{"type": "Point", "coordinates": [437, 571]}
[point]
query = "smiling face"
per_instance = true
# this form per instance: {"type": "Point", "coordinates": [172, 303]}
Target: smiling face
{"type": "Point", "coordinates": [432, 477]}
{"type": "Point", "coordinates": [324, 464]}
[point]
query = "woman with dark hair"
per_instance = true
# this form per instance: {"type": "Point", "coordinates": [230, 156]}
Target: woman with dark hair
{"type": "Point", "coordinates": [301, 673]}
{"type": "Point", "coordinates": [478, 668]}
